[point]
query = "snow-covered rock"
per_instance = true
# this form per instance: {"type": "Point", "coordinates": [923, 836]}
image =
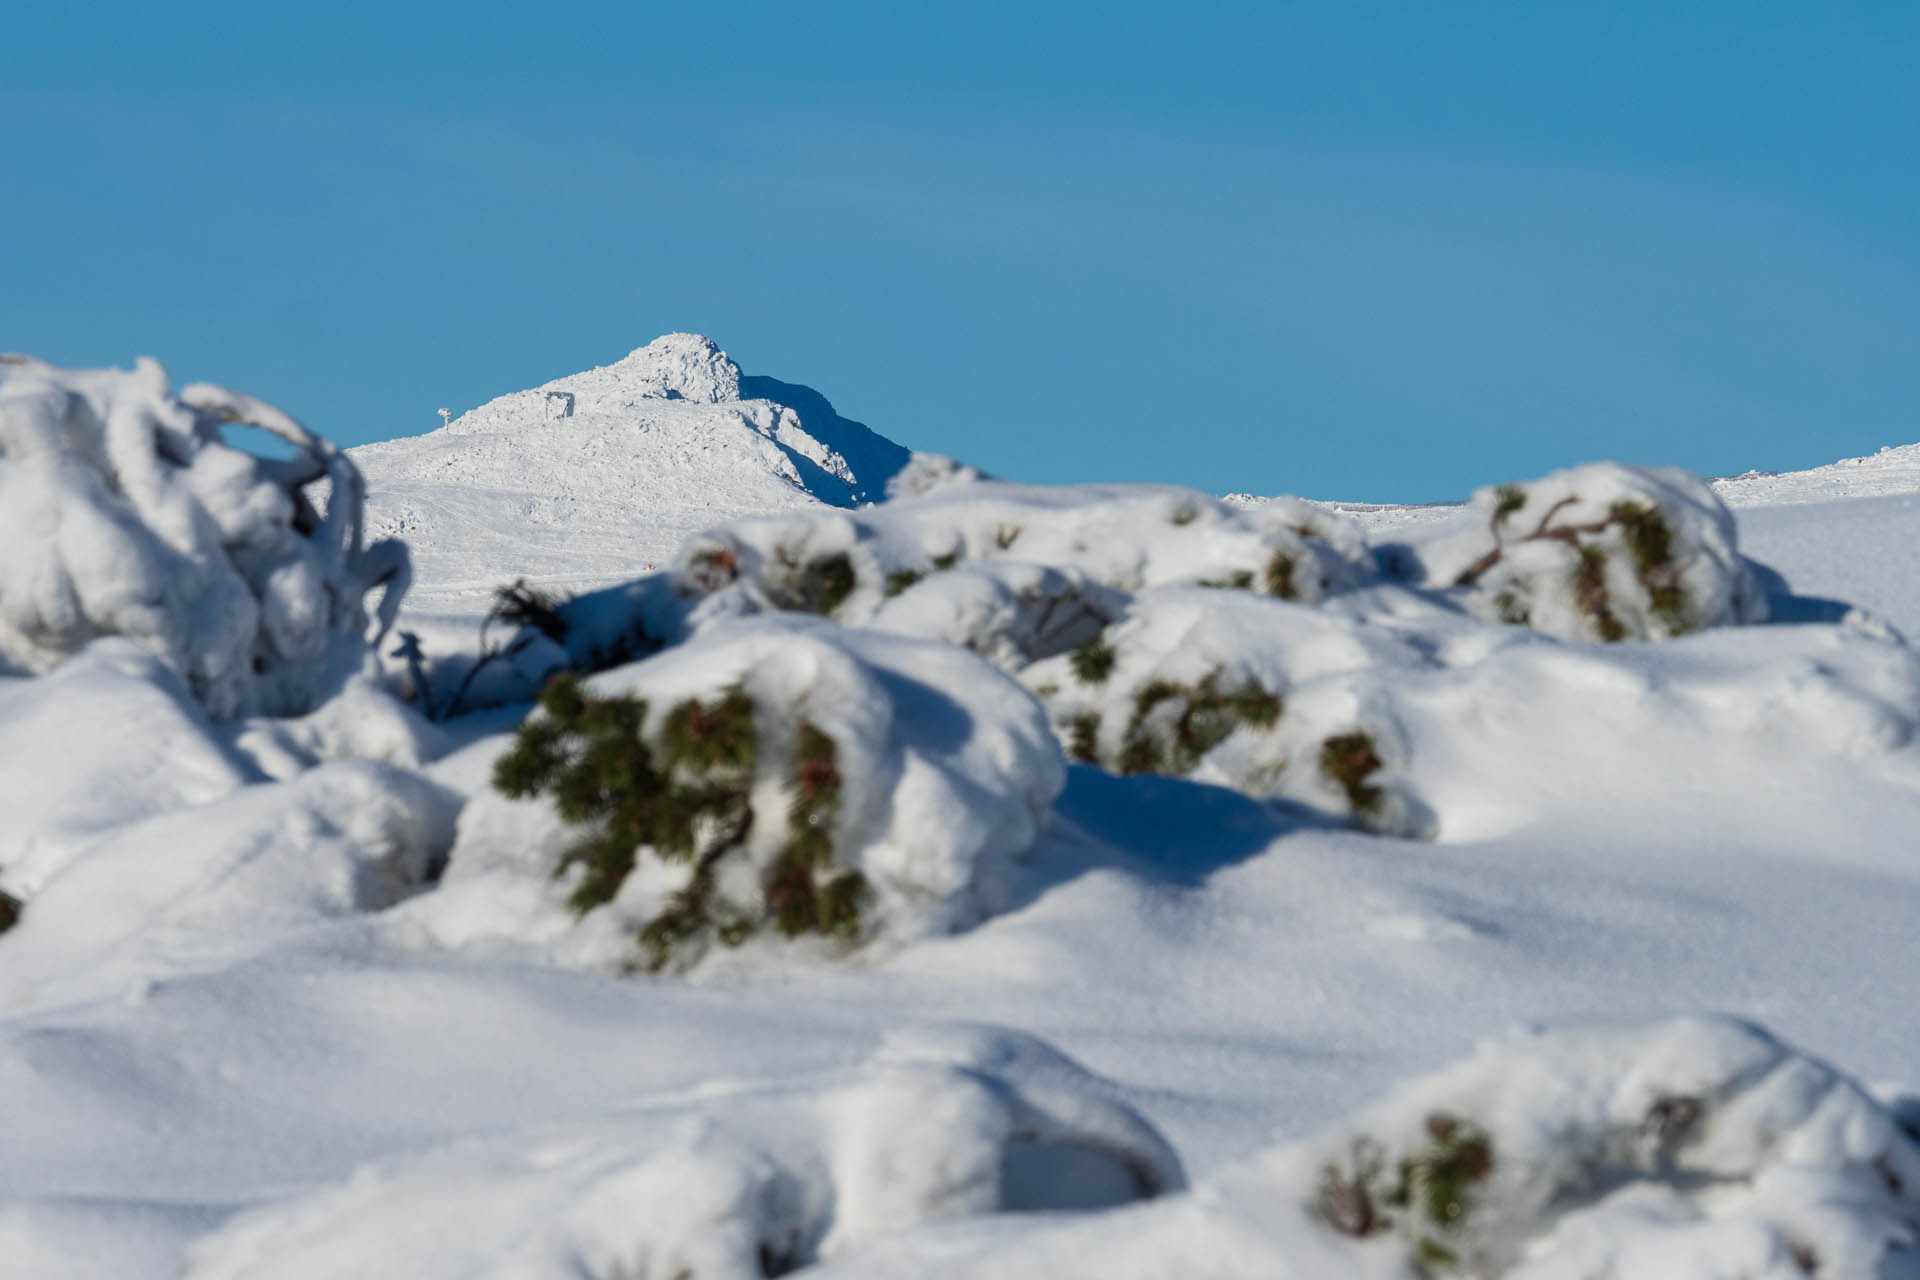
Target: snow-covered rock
{"type": "Point", "coordinates": [123, 512]}
{"type": "Point", "coordinates": [853, 784]}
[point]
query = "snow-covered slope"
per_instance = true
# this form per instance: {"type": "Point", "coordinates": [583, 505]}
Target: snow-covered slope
{"type": "Point", "coordinates": [590, 478]}
{"type": "Point", "coordinates": [271, 1012]}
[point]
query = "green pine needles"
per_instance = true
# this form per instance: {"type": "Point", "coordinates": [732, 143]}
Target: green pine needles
{"type": "Point", "coordinates": [1429, 1198]}
{"type": "Point", "coordinates": [1348, 760]}
{"type": "Point", "coordinates": [684, 798]}
{"type": "Point", "coordinates": [1173, 725]}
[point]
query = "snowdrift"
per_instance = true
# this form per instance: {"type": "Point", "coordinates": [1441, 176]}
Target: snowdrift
{"type": "Point", "coordinates": [941, 1124]}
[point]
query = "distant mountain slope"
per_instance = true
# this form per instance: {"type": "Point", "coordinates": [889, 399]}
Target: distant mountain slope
{"type": "Point", "coordinates": [1893, 471]}
{"type": "Point", "coordinates": [590, 478]}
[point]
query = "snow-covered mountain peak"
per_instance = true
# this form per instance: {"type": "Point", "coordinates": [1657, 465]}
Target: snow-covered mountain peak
{"type": "Point", "coordinates": [674, 366]}
{"type": "Point", "coordinates": [594, 476]}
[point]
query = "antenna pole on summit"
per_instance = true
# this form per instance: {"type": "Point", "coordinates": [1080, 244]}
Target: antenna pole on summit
{"type": "Point", "coordinates": [446, 416]}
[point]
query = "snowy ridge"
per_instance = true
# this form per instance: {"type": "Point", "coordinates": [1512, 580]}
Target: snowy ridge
{"type": "Point", "coordinates": [589, 478]}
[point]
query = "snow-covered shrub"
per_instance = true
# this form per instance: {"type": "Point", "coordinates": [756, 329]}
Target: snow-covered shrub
{"type": "Point", "coordinates": [757, 1179]}
{"type": "Point", "coordinates": [1698, 1146]}
{"type": "Point", "coordinates": [1601, 552]}
{"type": "Point", "coordinates": [1271, 698]}
{"type": "Point", "coordinates": [1123, 538]}
{"type": "Point", "coordinates": [123, 512]}
{"type": "Point", "coordinates": [927, 472]}
{"type": "Point", "coordinates": [1694, 1148]}
{"type": "Point", "coordinates": [1010, 612]}
{"type": "Point", "coordinates": [779, 774]}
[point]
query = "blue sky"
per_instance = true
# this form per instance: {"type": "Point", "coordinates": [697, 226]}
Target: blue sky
{"type": "Point", "coordinates": [1377, 251]}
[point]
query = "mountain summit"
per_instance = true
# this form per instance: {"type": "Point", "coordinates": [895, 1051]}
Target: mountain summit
{"type": "Point", "coordinates": [591, 477]}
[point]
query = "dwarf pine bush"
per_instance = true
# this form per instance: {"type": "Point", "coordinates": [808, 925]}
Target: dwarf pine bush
{"type": "Point", "coordinates": [1428, 1199]}
{"type": "Point", "coordinates": [679, 788]}
{"type": "Point", "coordinates": [1603, 552]}
{"type": "Point", "coordinates": [1348, 760]}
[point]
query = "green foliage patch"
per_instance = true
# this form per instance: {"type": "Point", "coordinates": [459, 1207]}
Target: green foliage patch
{"type": "Point", "coordinates": [684, 798]}
{"type": "Point", "coordinates": [1349, 759]}
{"type": "Point", "coordinates": [1173, 725]}
{"type": "Point", "coordinates": [820, 585]}
{"type": "Point", "coordinates": [1429, 1198]}
{"type": "Point", "coordinates": [1279, 577]}
{"type": "Point", "coordinates": [1092, 662]}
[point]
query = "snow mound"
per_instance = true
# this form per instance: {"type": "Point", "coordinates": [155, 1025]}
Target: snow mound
{"type": "Point", "coordinates": [156, 898]}
{"type": "Point", "coordinates": [739, 1181]}
{"type": "Point", "coordinates": [110, 737]}
{"type": "Point", "coordinates": [1601, 552]}
{"type": "Point", "coordinates": [1694, 1148]}
{"type": "Point", "coordinates": [123, 512]}
{"type": "Point", "coordinates": [589, 478]}
{"type": "Point", "coordinates": [779, 774]}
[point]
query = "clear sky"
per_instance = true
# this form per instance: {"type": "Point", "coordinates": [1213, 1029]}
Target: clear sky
{"type": "Point", "coordinates": [1350, 250]}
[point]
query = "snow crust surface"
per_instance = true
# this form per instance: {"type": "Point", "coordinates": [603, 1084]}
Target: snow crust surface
{"type": "Point", "coordinates": [298, 995]}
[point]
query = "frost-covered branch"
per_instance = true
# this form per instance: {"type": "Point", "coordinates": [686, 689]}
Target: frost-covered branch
{"type": "Point", "coordinates": [123, 511]}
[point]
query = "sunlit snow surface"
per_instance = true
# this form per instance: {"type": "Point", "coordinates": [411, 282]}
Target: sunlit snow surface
{"type": "Point", "coordinates": [237, 1038]}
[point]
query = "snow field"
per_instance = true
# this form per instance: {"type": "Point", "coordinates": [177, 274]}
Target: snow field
{"type": "Point", "coordinates": [298, 991]}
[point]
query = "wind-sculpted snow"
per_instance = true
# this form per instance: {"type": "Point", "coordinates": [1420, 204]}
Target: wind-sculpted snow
{"type": "Point", "coordinates": [123, 512]}
{"type": "Point", "coordinates": [739, 1182]}
{"type": "Point", "coordinates": [776, 776]}
{"type": "Point", "coordinates": [1686, 1149]}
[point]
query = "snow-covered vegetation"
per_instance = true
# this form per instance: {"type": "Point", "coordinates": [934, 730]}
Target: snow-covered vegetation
{"type": "Point", "coordinates": [124, 512]}
{"type": "Point", "coordinates": [729, 903]}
